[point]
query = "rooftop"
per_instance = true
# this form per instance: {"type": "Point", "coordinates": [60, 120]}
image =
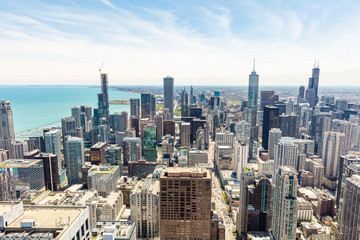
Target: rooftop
{"type": "Point", "coordinates": [186, 172]}
{"type": "Point", "coordinates": [98, 145]}
{"type": "Point", "coordinates": [20, 163]}
{"type": "Point", "coordinates": [119, 229]}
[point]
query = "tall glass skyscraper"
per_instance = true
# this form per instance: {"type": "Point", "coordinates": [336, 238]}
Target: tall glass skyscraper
{"type": "Point", "coordinates": [169, 95]}
{"type": "Point", "coordinates": [7, 134]}
{"type": "Point", "coordinates": [103, 97]}
{"type": "Point", "coordinates": [53, 145]}
{"type": "Point", "coordinates": [74, 157]}
{"type": "Point", "coordinates": [253, 93]}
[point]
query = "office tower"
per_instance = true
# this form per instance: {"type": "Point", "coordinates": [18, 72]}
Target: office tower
{"type": "Point", "coordinates": [185, 217]}
{"type": "Point", "coordinates": [284, 204]}
{"type": "Point", "coordinates": [131, 150]}
{"type": "Point", "coordinates": [259, 205]}
{"type": "Point", "coordinates": [103, 98]}
{"type": "Point", "coordinates": [7, 185]}
{"type": "Point", "coordinates": [185, 134]}
{"type": "Point", "coordinates": [169, 127]}
{"type": "Point", "coordinates": [200, 139]}
{"type": "Point", "coordinates": [184, 103]}
{"type": "Point", "coordinates": [289, 125]}
{"type": "Point", "coordinates": [333, 148]}
{"type": "Point", "coordinates": [4, 155]}
{"type": "Point", "coordinates": [51, 171]}
{"type": "Point", "coordinates": [150, 153]}
{"type": "Point", "coordinates": [274, 135]}
{"type": "Point", "coordinates": [345, 127]}
{"type": "Point", "coordinates": [147, 106]}
{"type": "Point", "coordinates": [135, 124]}
{"type": "Point", "coordinates": [271, 120]}
{"type": "Point", "coordinates": [75, 113]}
{"type": "Point", "coordinates": [103, 133]}
{"type": "Point", "coordinates": [286, 154]}
{"type": "Point", "coordinates": [68, 126]}
{"type": "Point", "coordinates": [241, 155]}
{"type": "Point", "coordinates": [113, 156]}
{"type": "Point", "coordinates": [247, 177]}
{"type": "Point", "coordinates": [19, 148]}
{"type": "Point", "coordinates": [341, 105]}
{"type": "Point", "coordinates": [316, 167]}
{"type": "Point", "coordinates": [224, 139]}
{"type": "Point", "coordinates": [320, 123]}
{"type": "Point", "coordinates": [312, 91]}
{"type": "Point", "coordinates": [119, 121]}
{"type": "Point", "coordinates": [74, 159]}
{"type": "Point", "coordinates": [7, 134]}
{"type": "Point", "coordinates": [145, 208]}
{"type": "Point", "coordinates": [305, 146]}
{"type": "Point", "coordinates": [135, 107]}
{"type": "Point", "coordinates": [267, 98]}
{"type": "Point", "coordinates": [97, 153]}
{"type": "Point", "coordinates": [169, 95]}
{"type": "Point", "coordinates": [192, 96]}
{"type": "Point", "coordinates": [301, 94]}
{"type": "Point", "coordinates": [103, 179]}
{"type": "Point", "coordinates": [166, 114]}
{"type": "Point", "coordinates": [253, 92]}
{"type": "Point", "coordinates": [53, 145]}
{"type": "Point", "coordinates": [159, 127]}
{"type": "Point", "coordinates": [88, 112]}
{"type": "Point", "coordinates": [242, 130]}
{"type": "Point", "coordinates": [350, 214]}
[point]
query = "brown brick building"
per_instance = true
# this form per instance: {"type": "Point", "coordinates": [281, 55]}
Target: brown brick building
{"type": "Point", "coordinates": [185, 203]}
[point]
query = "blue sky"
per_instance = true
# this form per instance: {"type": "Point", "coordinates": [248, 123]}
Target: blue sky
{"type": "Point", "coordinates": [196, 42]}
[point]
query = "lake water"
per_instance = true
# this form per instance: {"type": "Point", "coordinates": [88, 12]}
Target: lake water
{"type": "Point", "coordinates": [39, 106]}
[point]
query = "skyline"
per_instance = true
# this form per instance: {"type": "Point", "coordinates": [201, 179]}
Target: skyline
{"type": "Point", "coordinates": [194, 42]}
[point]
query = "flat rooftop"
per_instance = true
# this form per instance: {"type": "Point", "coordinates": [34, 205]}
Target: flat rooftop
{"type": "Point", "coordinates": [122, 229]}
{"type": "Point", "coordinates": [98, 145]}
{"type": "Point", "coordinates": [6, 206]}
{"type": "Point", "coordinates": [185, 172]}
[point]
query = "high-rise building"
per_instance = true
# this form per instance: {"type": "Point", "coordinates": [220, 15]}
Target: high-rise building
{"type": "Point", "coordinates": [19, 148]}
{"type": "Point", "coordinates": [185, 133]}
{"type": "Point", "coordinates": [134, 107]}
{"type": "Point", "coordinates": [150, 153]}
{"type": "Point", "coordinates": [7, 134]}
{"type": "Point", "coordinates": [225, 139]}
{"type": "Point", "coordinates": [75, 113]}
{"type": "Point", "coordinates": [97, 153]}
{"type": "Point", "coordinates": [135, 123]}
{"type": "Point", "coordinates": [103, 97]}
{"type": "Point", "coordinates": [301, 94]}
{"type": "Point", "coordinates": [51, 171]}
{"type": "Point", "coordinates": [286, 154]}
{"type": "Point", "coordinates": [74, 159]}
{"type": "Point", "coordinates": [289, 125]}
{"type": "Point", "coordinates": [333, 148]}
{"type": "Point", "coordinates": [169, 127]}
{"type": "Point", "coordinates": [131, 150]}
{"type": "Point", "coordinates": [53, 145]}
{"type": "Point", "coordinates": [192, 96]}
{"type": "Point", "coordinates": [119, 121]}
{"type": "Point", "coordinates": [350, 220]}
{"type": "Point", "coordinates": [253, 92]}
{"type": "Point", "coordinates": [103, 179]}
{"type": "Point", "coordinates": [271, 120]}
{"type": "Point", "coordinates": [185, 203]}
{"type": "Point", "coordinates": [145, 208]}
{"type": "Point", "coordinates": [267, 98]}
{"type": "Point", "coordinates": [113, 157]}
{"type": "Point", "coordinates": [242, 130]}
{"type": "Point", "coordinates": [274, 135]}
{"type": "Point", "coordinates": [312, 91]}
{"type": "Point", "coordinates": [169, 95]}
{"type": "Point", "coordinates": [184, 103]}
{"type": "Point", "coordinates": [284, 204]}
{"type": "Point", "coordinates": [241, 155]}
{"type": "Point", "coordinates": [68, 126]}
{"type": "Point", "coordinates": [159, 127]}
{"type": "Point", "coordinates": [148, 106]}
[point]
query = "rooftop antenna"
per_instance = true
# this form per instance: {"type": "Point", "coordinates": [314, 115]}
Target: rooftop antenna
{"type": "Point", "coordinates": [318, 63]}
{"type": "Point", "coordinates": [101, 67]}
{"type": "Point", "coordinates": [315, 63]}
{"type": "Point", "coordinates": [254, 66]}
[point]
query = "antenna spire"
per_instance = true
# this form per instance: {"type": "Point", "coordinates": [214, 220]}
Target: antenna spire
{"type": "Point", "coordinates": [315, 63]}
{"type": "Point", "coordinates": [254, 66]}
{"type": "Point", "coordinates": [318, 63]}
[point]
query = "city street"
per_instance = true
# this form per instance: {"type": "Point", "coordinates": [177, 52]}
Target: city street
{"type": "Point", "coordinates": [218, 199]}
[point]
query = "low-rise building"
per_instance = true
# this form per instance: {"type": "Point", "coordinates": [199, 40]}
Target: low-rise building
{"type": "Point", "coordinates": [103, 179]}
{"type": "Point", "coordinates": [113, 230]}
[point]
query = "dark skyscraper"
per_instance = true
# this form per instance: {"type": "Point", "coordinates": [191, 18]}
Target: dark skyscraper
{"type": "Point", "coordinates": [184, 104]}
{"type": "Point", "coordinates": [103, 97]}
{"type": "Point", "coordinates": [271, 120]}
{"type": "Point", "coordinates": [169, 95]}
{"type": "Point", "coordinates": [134, 107]}
{"type": "Point", "coordinates": [301, 94]}
{"type": "Point", "coordinates": [51, 171]}
{"type": "Point", "coordinates": [253, 92]}
{"type": "Point", "coordinates": [267, 98]}
{"type": "Point", "coordinates": [147, 105]}
{"type": "Point", "coordinates": [312, 91]}
{"type": "Point", "coordinates": [192, 97]}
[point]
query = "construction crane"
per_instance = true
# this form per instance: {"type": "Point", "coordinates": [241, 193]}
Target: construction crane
{"type": "Point", "coordinates": [101, 67]}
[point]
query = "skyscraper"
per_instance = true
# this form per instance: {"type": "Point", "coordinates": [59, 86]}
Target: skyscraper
{"type": "Point", "coordinates": [270, 120]}
{"type": "Point", "coordinates": [150, 153]}
{"type": "Point", "coordinates": [75, 113]}
{"type": "Point", "coordinates": [274, 135]}
{"type": "Point", "coordinates": [134, 107]}
{"type": "Point", "coordinates": [185, 133]}
{"type": "Point", "coordinates": [253, 92]}
{"type": "Point", "coordinates": [53, 145]}
{"type": "Point", "coordinates": [350, 214]}
{"type": "Point", "coordinates": [185, 203]}
{"type": "Point", "coordinates": [74, 157]}
{"type": "Point", "coordinates": [169, 95]}
{"type": "Point", "coordinates": [184, 103]}
{"type": "Point", "coordinates": [7, 134]}
{"type": "Point", "coordinates": [51, 171]}
{"type": "Point", "coordinates": [147, 108]}
{"type": "Point", "coordinates": [103, 97]}
{"type": "Point", "coordinates": [267, 98]}
{"type": "Point", "coordinates": [68, 126]}
{"type": "Point", "coordinates": [284, 204]}
{"type": "Point", "coordinates": [312, 91]}
{"type": "Point", "coordinates": [333, 148]}
{"type": "Point", "coordinates": [286, 152]}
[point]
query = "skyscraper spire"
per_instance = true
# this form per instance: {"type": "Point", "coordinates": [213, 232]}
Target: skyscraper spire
{"type": "Point", "coordinates": [318, 66]}
{"type": "Point", "coordinates": [254, 66]}
{"type": "Point", "coordinates": [315, 63]}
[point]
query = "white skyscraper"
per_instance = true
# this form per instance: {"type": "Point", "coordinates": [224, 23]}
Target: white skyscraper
{"type": "Point", "coordinates": [7, 134]}
{"type": "Point", "coordinates": [285, 205]}
{"type": "Point", "coordinates": [333, 148]}
{"type": "Point", "coordinates": [241, 154]}
{"type": "Point", "coordinates": [225, 139]}
{"type": "Point", "coordinates": [242, 130]}
{"type": "Point", "coordinates": [53, 144]}
{"type": "Point", "coordinates": [286, 152]}
{"type": "Point", "coordinates": [274, 136]}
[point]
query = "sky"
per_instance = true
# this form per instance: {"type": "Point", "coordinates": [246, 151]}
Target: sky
{"type": "Point", "coordinates": [197, 42]}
